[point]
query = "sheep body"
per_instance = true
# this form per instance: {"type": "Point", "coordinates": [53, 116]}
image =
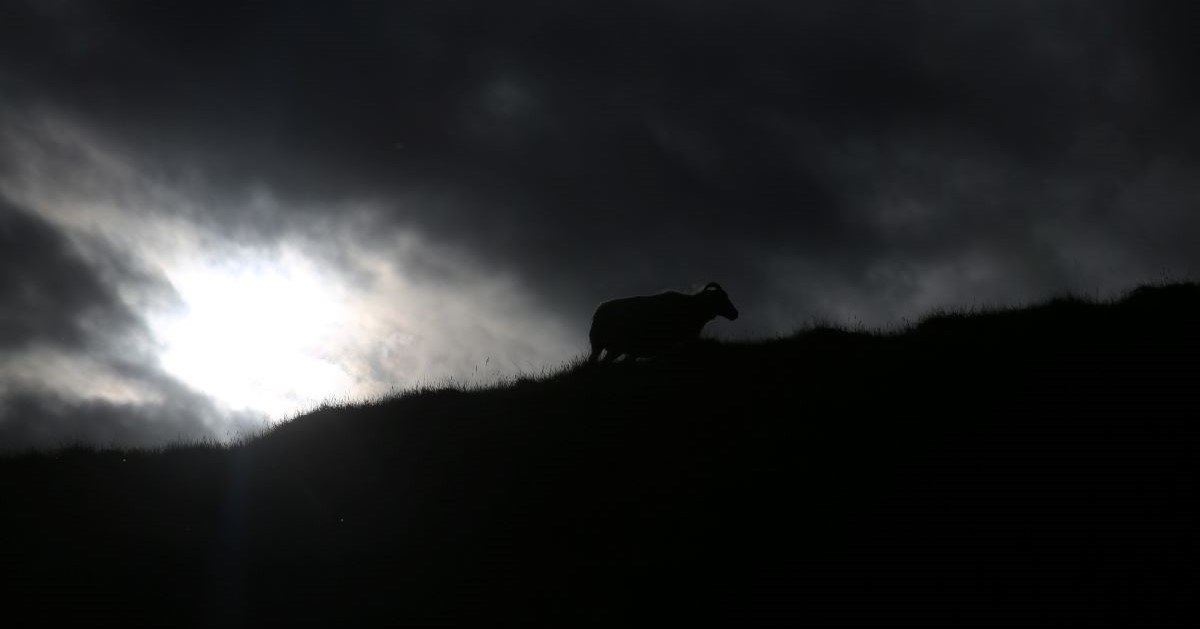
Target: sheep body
{"type": "Point", "coordinates": [649, 325]}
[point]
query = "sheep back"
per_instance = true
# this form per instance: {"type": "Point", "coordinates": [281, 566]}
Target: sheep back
{"type": "Point", "coordinates": [646, 325]}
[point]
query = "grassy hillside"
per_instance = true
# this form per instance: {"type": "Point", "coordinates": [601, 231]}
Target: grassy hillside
{"type": "Point", "coordinates": [1031, 466]}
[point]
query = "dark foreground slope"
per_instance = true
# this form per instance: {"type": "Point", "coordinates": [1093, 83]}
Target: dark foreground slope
{"type": "Point", "coordinates": [1031, 467]}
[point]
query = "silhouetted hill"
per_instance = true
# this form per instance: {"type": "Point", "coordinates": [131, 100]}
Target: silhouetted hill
{"type": "Point", "coordinates": [1017, 467]}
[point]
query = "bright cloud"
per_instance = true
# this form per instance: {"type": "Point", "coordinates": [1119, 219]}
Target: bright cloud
{"type": "Point", "coordinates": [257, 335]}
{"type": "Point", "coordinates": [261, 322]}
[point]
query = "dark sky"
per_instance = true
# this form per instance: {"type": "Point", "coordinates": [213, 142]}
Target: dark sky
{"type": "Point", "coordinates": [212, 213]}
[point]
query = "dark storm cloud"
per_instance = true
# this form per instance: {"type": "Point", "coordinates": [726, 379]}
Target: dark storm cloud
{"type": "Point", "coordinates": [39, 419]}
{"type": "Point", "coordinates": [802, 153]}
{"type": "Point", "coordinates": [50, 295]}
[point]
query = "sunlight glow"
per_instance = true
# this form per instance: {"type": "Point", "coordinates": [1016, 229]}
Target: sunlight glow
{"type": "Point", "coordinates": [257, 335]}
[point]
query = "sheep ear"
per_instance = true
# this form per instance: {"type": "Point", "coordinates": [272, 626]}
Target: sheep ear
{"type": "Point", "coordinates": [712, 286]}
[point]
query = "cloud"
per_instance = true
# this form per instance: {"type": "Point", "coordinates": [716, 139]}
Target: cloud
{"type": "Point", "coordinates": [642, 147]}
{"type": "Point", "coordinates": [50, 294]}
{"type": "Point", "coordinates": [498, 169]}
{"type": "Point", "coordinates": [77, 360]}
{"type": "Point", "coordinates": [226, 310]}
{"type": "Point", "coordinates": [36, 420]}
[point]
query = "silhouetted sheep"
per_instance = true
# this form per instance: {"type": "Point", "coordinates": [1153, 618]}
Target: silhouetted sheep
{"type": "Point", "coordinates": [651, 324]}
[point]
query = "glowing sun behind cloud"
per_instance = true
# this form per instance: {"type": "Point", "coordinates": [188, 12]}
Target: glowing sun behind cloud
{"type": "Point", "coordinates": [257, 335]}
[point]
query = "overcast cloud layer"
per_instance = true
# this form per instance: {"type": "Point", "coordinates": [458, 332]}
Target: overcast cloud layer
{"type": "Point", "coordinates": [454, 186]}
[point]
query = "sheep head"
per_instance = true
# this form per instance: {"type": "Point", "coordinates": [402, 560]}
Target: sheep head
{"type": "Point", "coordinates": [718, 302]}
